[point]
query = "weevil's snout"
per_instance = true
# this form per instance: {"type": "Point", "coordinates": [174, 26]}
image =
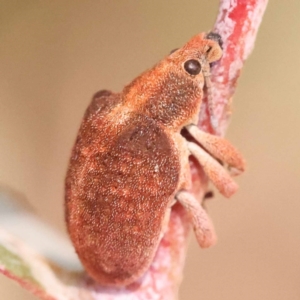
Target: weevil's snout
{"type": "Point", "coordinates": [213, 51]}
{"type": "Point", "coordinates": [215, 37]}
{"type": "Point", "coordinates": [207, 46]}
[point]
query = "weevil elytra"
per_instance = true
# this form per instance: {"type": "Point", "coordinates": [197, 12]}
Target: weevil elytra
{"type": "Point", "coordinates": [130, 164]}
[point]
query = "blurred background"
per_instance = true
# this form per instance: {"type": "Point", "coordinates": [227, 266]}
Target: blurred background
{"type": "Point", "coordinates": [55, 54]}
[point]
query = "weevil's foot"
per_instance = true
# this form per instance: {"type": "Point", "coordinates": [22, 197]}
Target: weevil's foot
{"type": "Point", "coordinates": [202, 224]}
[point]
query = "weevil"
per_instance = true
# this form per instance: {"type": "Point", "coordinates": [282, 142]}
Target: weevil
{"type": "Point", "coordinates": [130, 164]}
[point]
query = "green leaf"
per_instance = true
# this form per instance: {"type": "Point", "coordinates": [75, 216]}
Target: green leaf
{"type": "Point", "coordinates": [16, 266]}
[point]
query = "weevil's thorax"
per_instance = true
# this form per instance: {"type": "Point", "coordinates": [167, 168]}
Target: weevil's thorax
{"type": "Point", "coordinates": [171, 92]}
{"type": "Point", "coordinates": [166, 94]}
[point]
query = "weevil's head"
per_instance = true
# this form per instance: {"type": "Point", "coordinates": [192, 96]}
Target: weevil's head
{"type": "Point", "coordinates": [172, 91]}
{"type": "Point", "coordinates": [203, 48]}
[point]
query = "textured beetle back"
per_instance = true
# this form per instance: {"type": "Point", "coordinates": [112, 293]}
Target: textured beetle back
{"type": "Point", "coordinates": [123, 173]}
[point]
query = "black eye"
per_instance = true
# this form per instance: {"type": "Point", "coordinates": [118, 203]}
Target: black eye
{"type": "Point", "coordinates": [192, 66]}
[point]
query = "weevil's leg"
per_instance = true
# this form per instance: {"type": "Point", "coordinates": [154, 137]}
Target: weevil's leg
{"type": "Point", "coordinates": [214, 171]}
{"type": "Point", "coordinates": [219, 148]}
{"type": "Point", "coordinates": [203, 227]}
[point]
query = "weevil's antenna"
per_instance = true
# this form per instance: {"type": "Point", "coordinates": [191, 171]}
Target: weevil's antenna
{"type": "Point", "coordinates": [211, 105]}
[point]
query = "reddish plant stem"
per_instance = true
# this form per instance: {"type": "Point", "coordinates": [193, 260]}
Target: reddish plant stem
{"type": "Point", "coordinates": [237, 23]}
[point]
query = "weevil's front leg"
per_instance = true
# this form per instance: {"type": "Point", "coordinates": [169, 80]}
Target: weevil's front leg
{"type": "Point", "coordinates": [214, 171]}
{"type": "Point", "coordinates": [216, 148]}
{"type": "Point", "coordinates": [219, 148]}
{"type": "Point", "coordinates": [203, 227]}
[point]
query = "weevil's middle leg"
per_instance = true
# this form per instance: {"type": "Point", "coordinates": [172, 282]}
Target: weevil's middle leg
{"type": "Point", "coordinates": [203, 227]}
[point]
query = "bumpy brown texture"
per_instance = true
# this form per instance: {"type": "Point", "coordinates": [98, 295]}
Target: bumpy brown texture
{"type": "Point", "coordinates": [172, 100]}
{"type": "Point", "coordinates": [126, 166]}
{"type": "Point", "coordinates": [118, 187]}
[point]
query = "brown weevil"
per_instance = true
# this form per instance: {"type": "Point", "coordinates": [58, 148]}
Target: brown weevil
{"type": "Point", "coordinates": [130, 164]}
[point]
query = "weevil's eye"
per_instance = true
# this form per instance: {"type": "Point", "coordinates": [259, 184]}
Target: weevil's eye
{"type": "Point", "coordinates": [174, 50]}
{"type": "Point", "coordinates": [192, 66]}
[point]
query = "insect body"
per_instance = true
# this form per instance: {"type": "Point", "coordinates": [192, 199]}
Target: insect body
{"type": "Point", "coordinates": [130, 164]}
